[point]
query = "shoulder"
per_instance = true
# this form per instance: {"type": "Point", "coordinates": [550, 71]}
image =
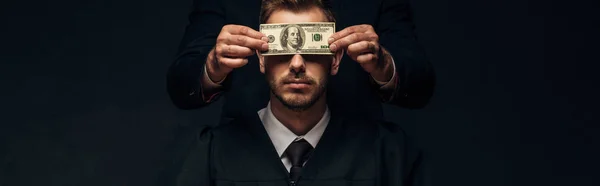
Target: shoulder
{"type": "Point", "coordinates": [395, 140]}
{"type": "Point", "coordinates": [388, 135]}
{"type": "Point", "coordinates": [239, 126]}
{"type": "Point", "coordinates": [381, 128]}
{"type": "Point", "coordinates": [387, 129]}
{"type": "Point", "coordinates": [205, 132]}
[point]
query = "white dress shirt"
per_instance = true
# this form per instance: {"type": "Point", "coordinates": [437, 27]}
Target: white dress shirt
{"type": "Point", "coordinates": [282, 137]}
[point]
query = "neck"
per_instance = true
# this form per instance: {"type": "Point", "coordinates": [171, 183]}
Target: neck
{"type": "Point", "coordinates": [299, 122]}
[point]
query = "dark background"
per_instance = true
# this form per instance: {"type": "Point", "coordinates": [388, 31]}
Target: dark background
{"type": "Point", "coordinates": [84, 99]}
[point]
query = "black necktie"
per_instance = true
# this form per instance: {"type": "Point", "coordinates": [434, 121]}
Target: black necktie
{"type": "Point", "coordinates": [298, 152]}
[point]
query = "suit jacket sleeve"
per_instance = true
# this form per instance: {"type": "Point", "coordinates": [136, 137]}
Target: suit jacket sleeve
{"type": "Point", "coordinates": [187, 160]}
{"type": "Point", "coordinates": [416, 79]}
{"type": "Point", "coordinates": [184, 75]}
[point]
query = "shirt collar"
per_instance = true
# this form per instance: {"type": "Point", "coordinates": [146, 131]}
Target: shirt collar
{"type": "Point", "coordinates": [282, 137]}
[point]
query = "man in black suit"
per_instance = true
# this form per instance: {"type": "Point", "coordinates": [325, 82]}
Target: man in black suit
{"type": "Point", "coordinates": [296, 139]}
{"type": "Point", "coordinates": [383, 61]}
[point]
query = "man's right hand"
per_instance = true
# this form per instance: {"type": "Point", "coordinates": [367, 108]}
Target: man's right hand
{"type": "Point", "coordinates": [234, 44]}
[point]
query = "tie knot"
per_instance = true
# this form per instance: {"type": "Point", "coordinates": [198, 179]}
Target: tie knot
{"type": "Point", "coordinates": [298, 152]}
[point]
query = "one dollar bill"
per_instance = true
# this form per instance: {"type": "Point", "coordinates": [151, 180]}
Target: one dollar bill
{"type": "Point", "coordinates": [298, 38]}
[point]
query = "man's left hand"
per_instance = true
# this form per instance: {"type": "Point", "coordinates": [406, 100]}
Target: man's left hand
{"type": "Point", "coordinates": [362, 45]}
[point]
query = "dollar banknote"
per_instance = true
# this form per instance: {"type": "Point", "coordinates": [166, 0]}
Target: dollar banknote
{"type": "Point", "coordinates": [298, 38]}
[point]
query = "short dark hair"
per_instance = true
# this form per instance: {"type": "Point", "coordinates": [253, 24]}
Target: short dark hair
{"type": "Point", "coordinates": [269, 6]}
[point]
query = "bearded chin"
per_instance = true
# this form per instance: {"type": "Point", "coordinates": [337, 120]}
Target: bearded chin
{"type": "Point", "coordinates": [298, 105]}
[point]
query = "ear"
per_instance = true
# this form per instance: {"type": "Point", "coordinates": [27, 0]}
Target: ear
{"type": "Point", "coordinates": [335, 64]}
{"type": "Point", "coordinates": [261, 60]}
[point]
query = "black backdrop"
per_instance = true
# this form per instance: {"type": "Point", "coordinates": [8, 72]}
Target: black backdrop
{"type": "Point", "coordinates": [84, 100]}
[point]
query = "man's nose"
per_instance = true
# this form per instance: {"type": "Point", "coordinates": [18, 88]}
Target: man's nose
{"type": "Point", "coordinates": [297, 63]}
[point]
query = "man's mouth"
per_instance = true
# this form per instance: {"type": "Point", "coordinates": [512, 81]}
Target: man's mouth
{"type": "Point", "coordinates": [301, 81]}
{"type": "Point", "coordinates": [297, 84]}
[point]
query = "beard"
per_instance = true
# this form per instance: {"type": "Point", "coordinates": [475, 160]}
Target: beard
{"type": "Point", "coordinates": [298, 101]}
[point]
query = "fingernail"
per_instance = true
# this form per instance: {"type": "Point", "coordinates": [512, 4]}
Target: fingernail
{"type": "Point", "coordinates": [264, 39]}
{"type": "Point", "coordinates": [333, 47]}
{"type": "Point", "coordinates": [265, 46]}
{"type": "Point", "coordinates": [330, 39]}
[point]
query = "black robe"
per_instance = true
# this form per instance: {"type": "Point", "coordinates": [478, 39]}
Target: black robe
{"type": "Point", "coordinates": [351, 152]}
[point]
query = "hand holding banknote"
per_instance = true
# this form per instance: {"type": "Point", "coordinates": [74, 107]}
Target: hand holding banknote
{"type": "Point", "coordinates": [362, 45]}
{"type": "Point", "coordinates": [234, 44]}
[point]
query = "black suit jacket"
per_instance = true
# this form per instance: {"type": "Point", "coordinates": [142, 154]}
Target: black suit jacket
{"type": "Point", "coordinates": [351, 90]}
{"type": "Point", "coordinates": [350, 152]}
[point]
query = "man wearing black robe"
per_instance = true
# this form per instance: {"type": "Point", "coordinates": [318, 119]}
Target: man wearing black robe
{"type": "Point", "coordinates": [210, 65]}
{"type": "Point", "coordinates": [297, 139]}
